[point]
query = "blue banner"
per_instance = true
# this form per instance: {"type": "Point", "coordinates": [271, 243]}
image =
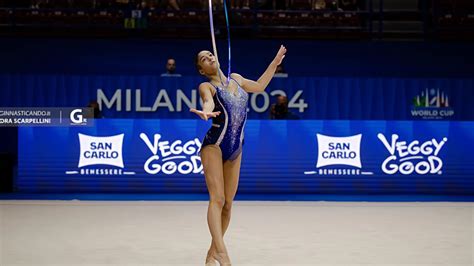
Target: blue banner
{"type": "Point", "coordinates": [279, 157]}
{"type": "Point", "coordinates": [309, 98]}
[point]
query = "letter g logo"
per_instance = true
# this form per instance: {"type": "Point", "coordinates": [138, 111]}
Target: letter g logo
{"type": "Point", "coordinates": [76, 116]}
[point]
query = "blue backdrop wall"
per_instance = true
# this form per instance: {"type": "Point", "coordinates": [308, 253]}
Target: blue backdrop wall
{"type": "Point", "coordinates": [250, 57]}
{"type": "Point", "coordinates": [374, 83]}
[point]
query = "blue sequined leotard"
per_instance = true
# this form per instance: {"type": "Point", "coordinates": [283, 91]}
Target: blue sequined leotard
{"type": "Point", "coordinates": [227, 129]}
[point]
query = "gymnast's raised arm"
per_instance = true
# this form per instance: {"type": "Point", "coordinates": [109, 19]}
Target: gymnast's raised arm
{"type": "Point", "coordinates": [260, 85]}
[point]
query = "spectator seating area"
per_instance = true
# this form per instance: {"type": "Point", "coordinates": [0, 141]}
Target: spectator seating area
{"type": "Point", "coordinates": [270, 18]}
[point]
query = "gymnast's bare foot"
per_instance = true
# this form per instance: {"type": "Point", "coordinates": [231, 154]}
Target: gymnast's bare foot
{"type": "Point", "coordinates": [222, 258]}
{"type": "Point", "coordinates": [210, 260]}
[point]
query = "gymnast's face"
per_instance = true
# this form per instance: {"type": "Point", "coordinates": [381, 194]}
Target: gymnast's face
{"type": "Point", "coordinates": [206, 62]}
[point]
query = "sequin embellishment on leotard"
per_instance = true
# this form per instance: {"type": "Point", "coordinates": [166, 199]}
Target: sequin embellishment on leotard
{"type": "Point", "coordinates": [227, 129]}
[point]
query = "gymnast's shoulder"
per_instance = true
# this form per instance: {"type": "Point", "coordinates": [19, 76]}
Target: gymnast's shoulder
{"type": "Point", "coordinates": [206, 87]}
{"type": "Point", "coordinates": [237, 77]}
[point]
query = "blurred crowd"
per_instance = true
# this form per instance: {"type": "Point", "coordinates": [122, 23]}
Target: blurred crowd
{"type": "Point", "coordinates": [348, 5]}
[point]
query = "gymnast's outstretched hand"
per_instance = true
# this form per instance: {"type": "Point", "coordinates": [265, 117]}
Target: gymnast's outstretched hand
{"type": "Point", "coordinates": [280, 55]}
{"type": "Point", "coordinates": [204, 115]}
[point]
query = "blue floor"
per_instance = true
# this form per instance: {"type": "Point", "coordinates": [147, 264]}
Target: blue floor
{"type": "Point", "coordinates": [254, 197]}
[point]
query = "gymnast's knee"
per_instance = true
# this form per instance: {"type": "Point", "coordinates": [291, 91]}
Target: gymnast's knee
{"type": "Point", "coordinates": [227, 207]}
{"type": "Point", "coordinates": [217, 200]}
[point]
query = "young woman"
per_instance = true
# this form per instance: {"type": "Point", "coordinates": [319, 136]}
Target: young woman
{"type": "Point", "coordinates": [221, 151]}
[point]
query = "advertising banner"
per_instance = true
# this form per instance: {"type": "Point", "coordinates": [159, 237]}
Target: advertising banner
{"type": "Point", "coordinates": [282, 157]}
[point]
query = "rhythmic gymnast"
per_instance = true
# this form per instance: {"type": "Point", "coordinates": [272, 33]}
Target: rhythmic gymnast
{"type": "Point", "coordinates": [221, 152]}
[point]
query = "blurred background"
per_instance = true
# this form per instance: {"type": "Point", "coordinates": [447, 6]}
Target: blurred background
{"type": "Point", "coordinates": [404, 65]}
